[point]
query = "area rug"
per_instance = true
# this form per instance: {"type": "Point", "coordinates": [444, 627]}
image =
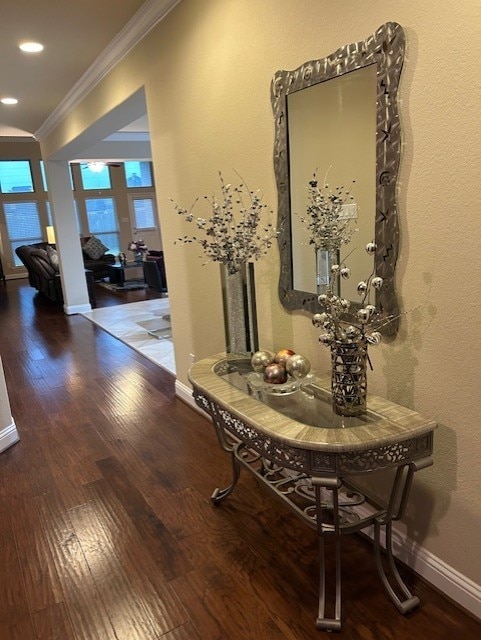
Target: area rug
{"type": "Point", "coordinates": [129, 285]}
{"type": "Point", "coordinates": [144, 326]}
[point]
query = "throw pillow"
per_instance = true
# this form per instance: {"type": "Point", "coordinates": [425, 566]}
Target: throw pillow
{"type": "Point", "coordinates": [94, 248]}
{"type": "Point", "coordinates": [53, 257]}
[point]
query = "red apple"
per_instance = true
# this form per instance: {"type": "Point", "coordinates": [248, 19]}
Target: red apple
{"type": "Point", "coordinates": [282, 355]}
{"type": "Point", "coordinates": [275, 374]}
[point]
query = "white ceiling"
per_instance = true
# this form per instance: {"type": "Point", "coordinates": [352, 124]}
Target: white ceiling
{"type": "Point", "coordinates": [82, 40]}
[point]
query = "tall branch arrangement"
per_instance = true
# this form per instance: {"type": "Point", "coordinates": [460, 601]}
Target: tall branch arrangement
{"type": "Point", "coordinates": [328, 231]}
{"type": "Point", "coordinates": [327, 228]}
{"type": "Point", "coordinates": [334, 317]}
{"type": "Point", "coordinates": [232, 233]}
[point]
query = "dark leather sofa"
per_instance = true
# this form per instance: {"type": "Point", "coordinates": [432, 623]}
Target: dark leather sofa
{"type": "Point", "coordinates": [43, 274]}
{"type": "Point", "coordinates": [99, 265]}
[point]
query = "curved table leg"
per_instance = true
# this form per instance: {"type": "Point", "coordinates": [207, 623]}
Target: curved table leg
{"type": "Point", "coordinates": [397, 504]}
{"type": "Point", "coordinates": [409, 602]}
{"type": "Point", "coordinates": [333, 484]}
{"type": "Point", "coordinates": [220, 494]}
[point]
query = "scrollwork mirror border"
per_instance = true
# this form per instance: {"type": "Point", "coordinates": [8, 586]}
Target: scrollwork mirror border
{"type": "Point", "coordinates": [385, 48]}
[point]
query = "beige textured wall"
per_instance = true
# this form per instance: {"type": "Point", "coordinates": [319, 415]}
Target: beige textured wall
{"type": "Point", "coordinates": [207, 70]}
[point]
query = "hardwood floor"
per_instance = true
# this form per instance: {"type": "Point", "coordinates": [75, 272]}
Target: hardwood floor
{"type": "Point", "coordinates": [106, 528]}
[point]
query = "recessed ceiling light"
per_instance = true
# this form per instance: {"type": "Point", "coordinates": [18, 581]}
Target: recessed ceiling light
{"type": "Point", "coordinates": [9, 100]}
{"type": "Point", "coordinates": [31, 47]}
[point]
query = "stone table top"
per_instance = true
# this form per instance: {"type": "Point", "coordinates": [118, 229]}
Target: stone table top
{"type": "Point", "coordinates": [387, 423]}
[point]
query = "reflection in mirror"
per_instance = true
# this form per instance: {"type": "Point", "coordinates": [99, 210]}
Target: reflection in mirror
{"type": "Point", "coordinates": [333, 121]}
{"type": "Point", "coordinates": [338, 117]}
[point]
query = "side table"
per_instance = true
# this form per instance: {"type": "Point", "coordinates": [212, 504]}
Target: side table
{"type": "Point", "coordinates": [117, 275]}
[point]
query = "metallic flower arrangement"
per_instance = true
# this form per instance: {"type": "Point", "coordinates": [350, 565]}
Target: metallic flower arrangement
{"type": "Point", "coordinates": [328, 229]}
{"type": "Point", "coordinates": [138, 246]}
{"type": "Point", "coordinates": [232, 233]}
{"type": "Point", "coordinates": [334, 318]}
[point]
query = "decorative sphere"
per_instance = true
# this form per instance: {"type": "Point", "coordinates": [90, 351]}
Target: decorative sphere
{"type": "Point", "coordinates": [371, 308]}
{"type": "Point", "coordinates": [260, 360]}
{"type": "Point", "coordinates": [377, 282]}
{"type": "Point", "coordinates": [326, 338]}
{"type": "Point", "coordinates": [335, 269]}
{"type": "Point", "coordinates": [275, 373]}
{"type": "Point", "coordinates": [345, 304]}
{"type": "Point", "coordinates": [352, 333]}
{"type": "Point", "coordinates": [345, 273]}
{"type": "Point", "coordinates": [282, 355]}
{"type": "Point", "coordinates": [371, 247]}
{"type": "Point", "coordinates": [374, 338]}
{"type": "Point", "coordinates": [298, 366]}
{"type": "Point", "coordinates": [322, 299]}
{"type": "Point", "coordinates": [318, 319]}
{"type": "Point", "coordinates": [362, 288]}
{"type": "Point", "coordinates": [363, 315]}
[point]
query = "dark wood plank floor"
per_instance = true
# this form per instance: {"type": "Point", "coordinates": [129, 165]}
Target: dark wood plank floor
{"type": "Point", "coordinates": [106, 529]}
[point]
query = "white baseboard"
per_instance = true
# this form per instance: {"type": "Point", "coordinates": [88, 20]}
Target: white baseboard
{"type": "Point", "coordinates": [435, 571]}
{"type": "Point", "coordinates": [432, 569]}
{"type": "Point", "coordinates": [184, 392]}
{"type": "Point", "coordinates": [8, 436]}
{"type": "Point", "coordinates": [77, 308]}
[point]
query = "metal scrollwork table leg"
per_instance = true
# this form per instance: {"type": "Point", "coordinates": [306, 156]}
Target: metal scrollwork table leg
{"type": "Point", "coordinates": [333, 484]}
{"type": "Point", "coordinates": [230, 448]}
{"type": "Point", "coordinates": [395, 511]}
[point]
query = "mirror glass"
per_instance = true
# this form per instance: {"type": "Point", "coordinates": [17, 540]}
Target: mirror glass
{"type": "Point", "coordinates": [337, 118]}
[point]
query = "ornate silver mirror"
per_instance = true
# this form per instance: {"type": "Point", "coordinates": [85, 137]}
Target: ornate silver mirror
{"type": "Point", "coordinates": [338, 117]}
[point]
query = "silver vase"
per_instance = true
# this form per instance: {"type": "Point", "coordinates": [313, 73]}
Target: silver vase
{"type": "Point", "coordinates": [240, 313]}
{"type": "Point", "coordinates": [349, 379]}
{"type": "Point", "coordinates": [325, 280]}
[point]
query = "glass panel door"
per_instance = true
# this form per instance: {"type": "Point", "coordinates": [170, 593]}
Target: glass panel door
{"type": "Point", "coordinates": [145, 221]}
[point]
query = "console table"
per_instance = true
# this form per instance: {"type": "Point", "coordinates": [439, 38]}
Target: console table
{"type": "Point", "coordinates": [307, 455]}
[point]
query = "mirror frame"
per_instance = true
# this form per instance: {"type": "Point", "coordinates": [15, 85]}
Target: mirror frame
{"type": "Point", "coordinates": [385, 49]}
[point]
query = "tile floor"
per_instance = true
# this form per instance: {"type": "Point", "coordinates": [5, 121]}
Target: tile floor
{"type": "Point", "coordinates": [142, 327]}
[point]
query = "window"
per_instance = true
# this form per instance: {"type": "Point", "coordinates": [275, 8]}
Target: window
{"type": "Point", "coordinates": [102, 222]}
{"type": "Point", "coordinates": [49, 213]}
{"type": "Point", "coordinates": [44, 176]}
{"type": "Point", "coordinates": [94, 179]}
{"type": "Point", "coordinates": [50, 219]}
{"type": "Point", "coordinates": [15, 176]}
{"type": "Point", "coordinates": [138, 174]}
{"type": "Point", "coordinates": [143, 210]}
{"type": "Point", "coordinates": [23, 225]}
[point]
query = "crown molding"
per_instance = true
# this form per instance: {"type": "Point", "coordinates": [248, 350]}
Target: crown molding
{"type": "Point", "coordinates": [146, 18]}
